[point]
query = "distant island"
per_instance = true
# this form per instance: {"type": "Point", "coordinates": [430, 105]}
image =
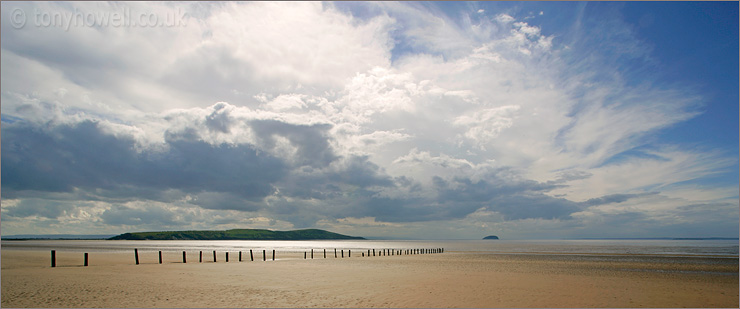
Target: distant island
{"type": "Point", "coordinates": [235, 234]}
{"type": "Point", "coordinates": [491, 237]}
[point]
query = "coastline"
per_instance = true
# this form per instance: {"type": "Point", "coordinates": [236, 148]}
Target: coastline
{"type": "Point", "coordinates": [452, 279]}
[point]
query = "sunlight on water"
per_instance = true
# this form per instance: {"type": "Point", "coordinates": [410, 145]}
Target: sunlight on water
{"type": "Point", "coordinates": [638, 247]}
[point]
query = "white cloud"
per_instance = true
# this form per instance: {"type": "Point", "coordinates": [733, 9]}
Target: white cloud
{"type": "Point", "coordinates": [504, 18]}
{"type": "Point", "coordinates": [485, 125]}
{"type": "Point", "coordinates": [480, 123]}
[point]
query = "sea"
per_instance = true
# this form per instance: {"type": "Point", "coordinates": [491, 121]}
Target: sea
{"type": "Point", "coordinates": [720, 248]}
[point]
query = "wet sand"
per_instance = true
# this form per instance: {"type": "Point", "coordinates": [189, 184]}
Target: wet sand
{"type": "Point", "coordinates": [451, 279]}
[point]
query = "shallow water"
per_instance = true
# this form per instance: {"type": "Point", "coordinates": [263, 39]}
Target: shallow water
{"type": "Point", "coordinates": [717, 248]}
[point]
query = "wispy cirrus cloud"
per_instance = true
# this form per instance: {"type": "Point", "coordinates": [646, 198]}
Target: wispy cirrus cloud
{"type": "Point", "coordinates": [359, 117]}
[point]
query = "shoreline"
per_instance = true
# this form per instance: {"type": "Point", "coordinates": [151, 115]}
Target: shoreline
{"type": "Point", "coordinates": [450, 279]}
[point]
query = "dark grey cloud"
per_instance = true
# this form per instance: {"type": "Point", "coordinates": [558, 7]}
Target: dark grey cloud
{"type": "Point", "coordinates": [38, 207]}
{"type": "Point", "coordinates": [82, 155]}
{"type": "Point", "coordinates": [615, 198]}
{"type": "Point", "coordinates": [311, 140]}
{"type": "Point", "coordinates": [221, 200]}
{"type": "Point", "coordinates": [533, 205]}
{"type": "Point", "coordinates": [220, 119]}
{"type": "Point", "coordinates": [151, 215]}
{"type": "Point", "coordinates": [456, 198]}
{"type": "Point", "coordinates": [356, 171]}
{"type": "Point", "coordinates": [515, 199]}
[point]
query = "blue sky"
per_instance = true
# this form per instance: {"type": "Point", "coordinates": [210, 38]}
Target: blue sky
{"type": "Point", "coordinates": [424, 120]}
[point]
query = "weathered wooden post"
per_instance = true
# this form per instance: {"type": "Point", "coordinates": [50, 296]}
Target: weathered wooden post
{"type": "Point", "coordinates": [53, 258]}
{"type": "Point", "coordinates": [273, 254]}
{"type": "Point", "coordinates": [85, 258]}
{"type": "Point", "coordinates": [183, 258]}
{"type": "Point", "coordinates": [363, 254]}
{"type": "Point", "coordinates": [200, 260]}
{"type": "Point", "coordinates": [342, 253]}
{"type": "Point", "coordinates": [136, 255]}
{"type": "Point", "coordinates": [214, 256]}
{"type": "Point", "coordinates": [349, 254]}
{"type": "Point", "coordinates": [240, 255]}
{"type": "Point", "coordinates": [373, 252]}
{"type": "Point", "coordinates": [304, 255]}
{"type": "Point", "coordinates": [312, 254]}
{"type": "Point", "coordinates": [160, 257]}
{"type": "Point", "coordinates": [335, 253]}
{"type": "Point", "coordinates": [227, 256]}
{"type": "Point", "coordinates": [264, 256]}
{"type": "Point", "coordinates": [324, 253]}
{"type": "Point", "coordinates": [251, 256]}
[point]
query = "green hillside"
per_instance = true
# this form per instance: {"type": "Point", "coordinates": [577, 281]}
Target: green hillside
{"type": "Point", "coordinates": [236, 234]}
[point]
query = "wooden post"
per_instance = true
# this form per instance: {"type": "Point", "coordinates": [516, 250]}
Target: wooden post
{"type": "Point", "coordinates": [349, 254]}
{"type": "Point", "coordinates": [363, 254]}
{"type": "Point", "coordinates": [273, 254]}
{"type": "Point", "coordinates": [324, 253]}
{"type": "Point", "coordinates": [183, 258]}
{"type": "Point", "coordinates": [53, 258]}
{"type": "Point", "coordinates": [160, 257]}
{"type": "Point", "coordinates": [227, 256]}
{"type": "Point", "coordinates": [304, 255]}
{"type": "Point", "coordinates": [373, 252]}
{"type": "Point", "coordinates": [312, 254]}
{"type": "Point", "coordinates": [200, 260]}
{"type": "Point", "coordinates": [85, 258]}
{"type": "Point", "coordinates": [335, 253]}
{"type": "Point", "coordinates": [251, 256]}
{"type": "Point", "coordinates": [214, 256]}
{"type": "Point", "coordinates": [264, 257]}
{"type": "Point", "coordinates": [136, 255]}
{"type": "Point", "coordinates": [240, 255]}
{"type": "Point", "coordinates": [342, 253]}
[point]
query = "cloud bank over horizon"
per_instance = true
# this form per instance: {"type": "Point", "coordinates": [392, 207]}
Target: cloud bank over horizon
{"type": "Point", "coordinates": [436, 121]}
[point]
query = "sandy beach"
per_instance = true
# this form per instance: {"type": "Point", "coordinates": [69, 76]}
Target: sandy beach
{"type": "Point", "coordinates": [451, 279]}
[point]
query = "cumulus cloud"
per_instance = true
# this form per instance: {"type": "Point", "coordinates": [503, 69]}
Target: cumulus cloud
{"type": "Point", "coordinates": [355, 116]}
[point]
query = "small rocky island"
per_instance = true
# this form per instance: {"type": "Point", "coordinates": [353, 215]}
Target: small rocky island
{"type": "Point", "coordinates": [491, 237]}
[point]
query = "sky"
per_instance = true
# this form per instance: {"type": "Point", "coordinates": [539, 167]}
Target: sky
{"type": "Point", "coordinates": [415, 120]}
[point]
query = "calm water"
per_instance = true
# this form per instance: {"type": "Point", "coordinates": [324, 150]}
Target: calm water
{"type": "Point", "coordinates": [717, 248]}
